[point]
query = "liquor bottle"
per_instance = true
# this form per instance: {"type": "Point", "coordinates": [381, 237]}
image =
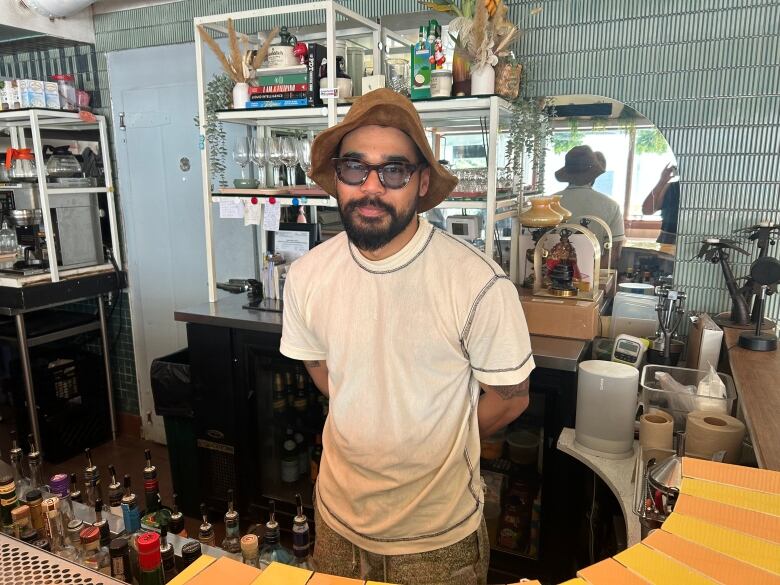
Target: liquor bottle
{"type": "Point", "coordinates": [22, 524]}
{"type": "Point", "coordinates": [289, 389]}
{"type": "Point", "coordinates": [301, 401]}
{"type": "Point", "coordinates": [55, 531]}
{"type": "Point", "coordinates": [316, 457]}
{"type": "Point", "coordinates": [250, 551]}
{"type": "Point", "coordinates": [303, 454]}
{"type": "Point", "coordinates": [272, 549]}
{"type": "Point", "coordinates": [149, 559]}
{"type": "Point", "coordinates": [190, 551]}
{"type": "Point", "coordinates": [75, 492]}
{"type": "Point", "coordinates": [59, 486]}
{"type": "Point", "coordinates": [278, 398]}
{"type": "Point", "coordinates": [91, 480]}
{"type": "Point", "coordinates": [151, 485]}
{"type": "Point", "coordinates": [95, 556]}
{"type": "Point", "coordinates": [132, 518]}
{"type": "Point", "coordinates": [167, 554]}
{"type": "Point", "coordinates": [301, 539]}
{"type": "Point", "coordinates": [206, 530]}
{"type": "Point", "coordinates": [115, 493]}
{"type": "Point", "coordinates": [232, 542]}
{"type": "Point", "coordinates": [20, 479]}
{"type": "Point", "coordinates": [35, 501]}
{"type": "Point", "coordinates": [8, 502]}
{"type": "Point", "coordinates": [176, 524]}
{"type": "Point", "coordinates": [73, 533]}
{"type": "Point", "coordinates": [289, 465]}
{"type": "Point", "coordinates": [119, 553]}
{"type": "Point", "coordinates": [6, 468]}
{"type": "Point", "coordinates": [102, 524]}
{"type": "Point", "coordinates": [36, 473]}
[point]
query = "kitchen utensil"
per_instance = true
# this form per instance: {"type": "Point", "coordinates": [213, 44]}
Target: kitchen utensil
{"type": "Point", "coordinates": [61, 163]}
{"type": "Point", "coordinates": [765, 272]}
{"type": "Point", "coordinates": [670, 313]}
{"type": "Point", "coordinates": [718, 251]}
{"type": "Point", "coordinates": [629, 350]}
{"type": "Point", "coordinates": [20, 164]}
{"type": "Point", "coordinates": [8, 241]}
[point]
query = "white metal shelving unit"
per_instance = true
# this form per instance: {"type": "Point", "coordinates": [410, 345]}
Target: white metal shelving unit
{"type": "Point", "coordinates": [37, 119]}
{"type": "Point", "coordinates": [490, 113]}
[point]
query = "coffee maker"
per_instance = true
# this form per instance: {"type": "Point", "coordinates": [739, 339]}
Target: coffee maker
{"type": "Point", "coordinates": [75, 225]}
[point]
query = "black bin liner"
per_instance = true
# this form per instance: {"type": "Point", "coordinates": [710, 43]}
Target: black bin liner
{"type": "Point", "coordinates": [172, 385]}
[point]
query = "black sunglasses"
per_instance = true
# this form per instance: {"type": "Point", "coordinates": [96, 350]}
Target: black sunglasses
{"type": "Point", "coordinates": [392, 175]}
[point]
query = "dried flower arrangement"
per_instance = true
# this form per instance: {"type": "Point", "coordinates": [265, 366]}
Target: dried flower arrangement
{"type": "Point", "coordinates": [481, 27]}
{"type": "Point", "coordinates": [240, 62]}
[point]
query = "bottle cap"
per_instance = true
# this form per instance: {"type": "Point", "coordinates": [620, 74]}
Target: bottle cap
{"type": "Point", "coordinates": [43, 543]}
{"type": "Point", "coordinates": [89, 534]}
{"type": "Point", "coordinates": [33, 495]}
{"type": "Point", "coordinates": [148, 545]}
{"type": "Point", "coordinates": [118, 547]}
{"type": "Point", "coordinates": [6, 479]}
{"type": "Point", "coordinates": [51, 506]}
{"type": "Point", "coordinates": [60, 485]}
{"type": "Point", "coordinates": [19, 513]}
{"type": "Point", "coordinates": [190, 551]}
{"type": "Point", "coordinates": [249, 543]}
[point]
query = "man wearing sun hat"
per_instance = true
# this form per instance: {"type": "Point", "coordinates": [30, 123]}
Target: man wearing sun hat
{"type": "Point", "coordinates": [403, 326]}
{"type": "Point", "coordinates": [581, 168]}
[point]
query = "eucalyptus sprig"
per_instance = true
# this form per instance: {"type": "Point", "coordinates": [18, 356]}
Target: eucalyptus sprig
{"type": "Point", "coordinates": [218, 97]}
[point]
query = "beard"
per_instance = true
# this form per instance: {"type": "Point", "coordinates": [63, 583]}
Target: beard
{"type": "Point", "coordinates": [372, 233]}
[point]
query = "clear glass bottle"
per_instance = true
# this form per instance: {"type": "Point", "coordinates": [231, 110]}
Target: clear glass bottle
{"type": "Point", "coordinates": [206, 530]}
{"type": "Point", "coordinates": [59, 486]}
{"type": "Point", "coordinates": [8, 241]}
{"type": "Point", "coordinates": [75, 527]}
{"type": "Point", "coordinates": [59, 543]}
{"type": "Point", "coordinates": [132, 519]}
{"type": "Point", "coordinates": [95, 556]}
{"type": "Point", "coordinates": [232, 542]}
{"type": "Point", "coordinates": [20, 479]}
{"type": "Point", "coordinates": [102, 524]}
{"type": "Point", "coordinates": [272, 550]}
{"type": "Point", "coordinates": [36, 472]}
{"type": "Point", "coordinates": [250, 551]}
{"type": "Point", "coordinates": [301, 539]}
{"type": "Point", "coordinates": [91, 481]}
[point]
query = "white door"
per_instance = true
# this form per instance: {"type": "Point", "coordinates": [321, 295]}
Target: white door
{"type": "Point", "coordinates": [158, 165]}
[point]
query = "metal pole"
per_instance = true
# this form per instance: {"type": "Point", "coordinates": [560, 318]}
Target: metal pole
{"type": "Point", "coordinates": [490, 212]}
{"type": "Point", "coordinates": [43, 190]}
{"type": "Point", "coordinates": [24, 357]}
{"type": "Point", "coordinates": [107, 363]}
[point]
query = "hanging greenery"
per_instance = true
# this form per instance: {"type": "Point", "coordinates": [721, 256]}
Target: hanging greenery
{"type": "Point", "coordinates": [218, 97]}
{"type": "Point", "coordinates": [529, 132]}
{"type": "Point", "coordinates": [565, 141]}
{"type": "Point", "coordinates": [650, 141]}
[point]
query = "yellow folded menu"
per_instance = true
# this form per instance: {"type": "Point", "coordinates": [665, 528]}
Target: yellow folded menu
{"type": "Point", "coordinates": [192, 569]}
{"type": "Point", "coordinates": [655, 567]}
{"type": "Point", "coordinates": [279, 574]}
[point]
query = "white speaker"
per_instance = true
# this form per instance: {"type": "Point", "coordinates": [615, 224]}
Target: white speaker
{"type": "Point", "coordinates": [607, 395]}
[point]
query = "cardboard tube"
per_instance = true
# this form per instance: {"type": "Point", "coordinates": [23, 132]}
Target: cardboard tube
{"type": "Point", "coordinates": [708, 432]}
{"type": "Point", "coordinates": [655, 430]}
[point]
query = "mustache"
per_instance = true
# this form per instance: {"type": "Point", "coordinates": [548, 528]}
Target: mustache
{"type": "Point", "coordinates": [369, 202]}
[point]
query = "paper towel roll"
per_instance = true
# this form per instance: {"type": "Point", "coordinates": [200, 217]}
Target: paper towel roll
{"type": "Point", "coordinates": [708, 432]}
{"type": "Point", "coordinates": [655, 430]}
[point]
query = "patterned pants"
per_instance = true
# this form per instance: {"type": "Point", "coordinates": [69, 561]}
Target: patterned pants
{"type": "Point", "coordinates": [463, 563]}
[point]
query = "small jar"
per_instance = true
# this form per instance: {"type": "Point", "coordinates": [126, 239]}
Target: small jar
{"type": "Point", "coordinates": [66, 87]}
{"type": "Point", "coordinates": [441, 83]}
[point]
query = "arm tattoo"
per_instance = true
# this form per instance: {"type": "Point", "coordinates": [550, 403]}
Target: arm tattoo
{"type": "Point", "coordinates": [513, 391]}
{"type": "Point", "coordinates": [312, 364]}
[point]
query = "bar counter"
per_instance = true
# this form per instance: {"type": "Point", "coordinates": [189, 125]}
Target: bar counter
{"type": "Point", "coordinates": [757, 378]}
{"type": "Point", "coordinates": [554, 353]}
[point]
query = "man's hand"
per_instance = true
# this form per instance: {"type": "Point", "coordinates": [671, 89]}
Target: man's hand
{"type": "Point", "coordinates": [500, 405]}
{"type": "Point", "coordinates": [319, 373]}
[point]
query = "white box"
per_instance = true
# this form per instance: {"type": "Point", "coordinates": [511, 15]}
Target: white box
{"type": "Point", "coordinates": [52, 95]}
{"type": "Point", "coordinates": [11, 98]}
{"type": "Point", "coordinates": [31, 93]}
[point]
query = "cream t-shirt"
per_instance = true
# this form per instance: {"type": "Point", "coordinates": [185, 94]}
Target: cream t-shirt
{"type": "Point", "coordinates": [406, 340]}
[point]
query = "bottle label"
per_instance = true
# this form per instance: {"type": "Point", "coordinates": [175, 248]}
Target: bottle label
{"type": "Point", "coordinates": [301, 540]}
{"type": "Point", "coordinates": [132, 518]}
{"type": "Point", "coordinates": [118, 568]}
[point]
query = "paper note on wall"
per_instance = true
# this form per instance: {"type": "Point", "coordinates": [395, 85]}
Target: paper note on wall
{"type": "Point", "coordinates": [231, 208]}
{"type": "Point", "coordinates": [252, 213]}
{"type": "Point", "coordinates": [272, 213]}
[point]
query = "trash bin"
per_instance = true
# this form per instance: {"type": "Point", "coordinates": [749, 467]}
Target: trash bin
{"type": "Point", "coordinates": [173, 400]}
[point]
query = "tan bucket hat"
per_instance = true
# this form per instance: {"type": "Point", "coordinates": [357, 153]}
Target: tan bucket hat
{"type": "Point", "coordinates": [381, 107]}
{"type": "Point", "coordinates": [582, 166]}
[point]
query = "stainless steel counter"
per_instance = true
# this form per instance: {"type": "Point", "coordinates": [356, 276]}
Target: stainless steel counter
{"type": "Point", "coordinates": [554, 353]}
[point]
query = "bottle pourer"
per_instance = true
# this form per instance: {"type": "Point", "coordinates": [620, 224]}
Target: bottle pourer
{"type": "Point", "coordinates": [34, 456]}
{"type": "Point", "coordinates": [150, 471]}
{"type": "Point", "coordinates": [300, 517]}
{"type": "Point", "coordinates": [231, 515]}
{"type": "Point", "coordinates": [206, 529]}
{"type": "Point", "coordinates": [16, 452]}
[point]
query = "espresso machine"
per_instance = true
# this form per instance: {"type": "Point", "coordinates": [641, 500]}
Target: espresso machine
{"type": "Point", "coordinates": [75, 223]}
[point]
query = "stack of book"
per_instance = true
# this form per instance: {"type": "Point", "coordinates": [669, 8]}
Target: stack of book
{"type": "Point", "coordinates": [289, 87]}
